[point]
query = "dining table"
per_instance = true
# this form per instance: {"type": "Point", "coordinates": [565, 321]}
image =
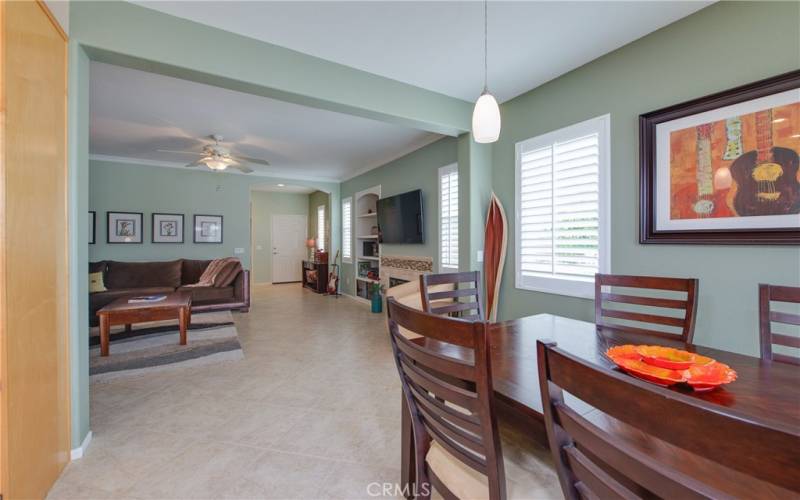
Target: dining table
{"type": "Point", "coordinates": [766, 392]}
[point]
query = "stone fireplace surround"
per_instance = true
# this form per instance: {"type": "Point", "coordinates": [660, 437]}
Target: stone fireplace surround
{"type": "Point", "coordinates": [403, 268]}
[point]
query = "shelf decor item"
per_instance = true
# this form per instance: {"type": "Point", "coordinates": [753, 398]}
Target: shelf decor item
{"type": "Point", "coordinates": [167, 228]}
{"type": "Point", "coordinates": [377, 298]}
{"type": "Point", "coordinates": [207, 229]}
{"type": "Point", "coordinates": [723, 169]}
{"type": "Point", "coordinates": [124, 227]}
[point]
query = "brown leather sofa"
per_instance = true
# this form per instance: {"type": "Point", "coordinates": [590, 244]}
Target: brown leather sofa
{"type": "Point", "coordinates": [123, 279]}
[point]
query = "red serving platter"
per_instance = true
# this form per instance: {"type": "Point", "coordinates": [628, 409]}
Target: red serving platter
{"type": "Point", "coordinates": [666, 366]}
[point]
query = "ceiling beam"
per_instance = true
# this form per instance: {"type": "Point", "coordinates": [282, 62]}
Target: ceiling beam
{"type": "Point", "coordinates": [129, 35]}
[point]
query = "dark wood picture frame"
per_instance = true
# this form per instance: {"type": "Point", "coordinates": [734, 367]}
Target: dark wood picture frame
{"type": "Point", "coordinates": [108, 228]}
{"type": "Point", "coordinates": [647, 169]}
{"type": "Point", "coordinates": [194, 229]}
{"type": "Point", "coordinates": [153, 229]}
{"type": "Point", "coordinates": [93, 233]}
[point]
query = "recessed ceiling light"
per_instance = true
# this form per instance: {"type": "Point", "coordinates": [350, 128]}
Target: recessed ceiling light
{"type": "Point", "coordinates": [281, 185]}
{"type": "Point", "coordinates": [778, 120]}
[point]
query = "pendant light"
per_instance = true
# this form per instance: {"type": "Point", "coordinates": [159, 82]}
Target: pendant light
{"type": "Point", "coordinates": [486, 115]}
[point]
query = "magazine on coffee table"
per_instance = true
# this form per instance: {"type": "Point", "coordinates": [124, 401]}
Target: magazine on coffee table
{"type": "Point", "coordinates": [146, 299]}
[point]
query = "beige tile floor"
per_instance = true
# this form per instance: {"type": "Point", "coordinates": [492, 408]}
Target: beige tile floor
{"type": "Point", "coordinates": [313, 411]}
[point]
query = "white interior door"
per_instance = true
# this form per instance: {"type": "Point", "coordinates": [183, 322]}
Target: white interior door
{"type": "Point", "coordinates": [288, 247]}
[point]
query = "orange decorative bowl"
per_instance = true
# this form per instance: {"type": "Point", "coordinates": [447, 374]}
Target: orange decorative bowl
{"type": "Point", "coordinates": [666, 357]}
{"type": "Point", "coordinates": [624, 351]}
{"type": "Point", "coordinates": [708, 376]}
{"type": "Point", "coordinates": [657, 375]}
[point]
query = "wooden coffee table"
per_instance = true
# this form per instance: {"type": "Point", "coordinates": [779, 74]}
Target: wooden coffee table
{"type": "Point", "coordinates": [121, 312]}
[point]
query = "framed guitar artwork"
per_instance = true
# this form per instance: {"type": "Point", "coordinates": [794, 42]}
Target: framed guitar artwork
{"type": "Point", "coordinates": [725, 168]}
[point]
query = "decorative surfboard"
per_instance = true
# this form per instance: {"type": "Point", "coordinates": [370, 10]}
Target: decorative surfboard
{"type": "Point", "coordinates": [494, 254]}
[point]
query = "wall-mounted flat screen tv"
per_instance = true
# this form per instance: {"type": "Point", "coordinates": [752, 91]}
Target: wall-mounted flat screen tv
{"type": "Point", "coordinates": [400, 218]}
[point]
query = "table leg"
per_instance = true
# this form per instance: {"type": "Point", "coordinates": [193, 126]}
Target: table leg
{"type": "Point", "coordinates": [128, 328]}
{"type": "Point", "coordinates": [407, 465]}
{"type": "Point", "coordinates": [183, 319]}
{"type": "Point", "coordinates": [105, 326]}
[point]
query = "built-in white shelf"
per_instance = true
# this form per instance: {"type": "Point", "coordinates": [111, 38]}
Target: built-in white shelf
{"type": "Point", "coordinates": [367, 254]}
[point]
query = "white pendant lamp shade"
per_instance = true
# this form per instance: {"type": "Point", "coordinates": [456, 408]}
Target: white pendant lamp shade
{"type": "Point", "coordinates": [486, 119]}
{"type": "Point", "coordinates": [486, 115]}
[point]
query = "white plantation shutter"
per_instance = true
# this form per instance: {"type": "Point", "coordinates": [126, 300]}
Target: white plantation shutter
{"type": "Point", "coordinates": [561, 209]}
{"type": "Point", "coordinates": [347, 230]}
{"type": "Point", "coordinates": [448, 217]}
{"type": "Point", "coordinates": [321, 227]}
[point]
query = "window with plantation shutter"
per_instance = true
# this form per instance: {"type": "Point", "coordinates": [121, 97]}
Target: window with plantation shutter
{"type": "Point", "coordinates": [562, 209]}
{"type": "Point", "coordinates": [347, 230]}
{"type": "Point", "coordinates": [321, 228]}
{"type": "Point", "coordinates": [448, 218]}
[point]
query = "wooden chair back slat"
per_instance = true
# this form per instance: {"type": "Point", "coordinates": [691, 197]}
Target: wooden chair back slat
{"type": "Point", "coordinates": [786, 318]}
{"type": "Point", "coordinates": [450, 399]}
{"type": "Point", "coordinates": [644, 301]}
{"type": "Point", "coordinates": [685, 324]}
{"type": "Point", "coordinates": [642, 317]}
{"type": "Point", "coordinates": [458, 368]}
{"type": "Point", "coordinates": [775, 293]}
{"type": "Point", "coordinates": [454, 307]}
{"type": "Point", "coordinates": [463, 420]}
{"type": "Point", "coordinates": [693, 425]}
{"type": "Point", "coordinates": [438, 387]}
{"type": "Point", "coordinates": [648, 472]}
{"type": "Point", "coordinates": [466, 284]}
{"type": "Point", "coordinates": [451, 294]}
{"type": "Point", "coordinates": [596, 480]}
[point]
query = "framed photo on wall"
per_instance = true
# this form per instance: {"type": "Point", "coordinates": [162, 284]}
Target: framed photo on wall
{"type": "Point", "coordinates": [92, 226]}
{"type": "Point", "coordinates": [167, 228]}
{"type": "Point", "coordinates": [124, 227]}
{"type": "Point", "coordinates": [208, 229]}
{"type": "Point", "coordinates": [723, 169]}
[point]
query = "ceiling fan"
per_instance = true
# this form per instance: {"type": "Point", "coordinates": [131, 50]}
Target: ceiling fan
{"type": "Point", "coordinates": [218, 157]}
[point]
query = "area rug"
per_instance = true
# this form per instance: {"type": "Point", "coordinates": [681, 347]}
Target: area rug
{"type": "Point", "coordinates": [151, 347]}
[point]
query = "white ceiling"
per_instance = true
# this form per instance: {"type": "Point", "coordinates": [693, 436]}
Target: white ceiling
{"type": "Point", "coordinates": [439, 45]}
{"type": "Point", "coordinates": [135, 113]}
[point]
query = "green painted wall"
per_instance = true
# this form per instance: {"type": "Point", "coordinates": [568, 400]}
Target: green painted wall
{"type": "Point", "coordinates": [316, 199]}
{"type": "Point", "coordinates": [417, 170]}
{"type": "Point", "coordinates": [717, 48]}
{"type": "Point", "coordinates": [263, 206]}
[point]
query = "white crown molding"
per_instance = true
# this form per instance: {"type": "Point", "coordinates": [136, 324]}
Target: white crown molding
{"type": "Point", "coordinates": [167, 164]}
{"type": "Point", "coordinates": [406, 151]}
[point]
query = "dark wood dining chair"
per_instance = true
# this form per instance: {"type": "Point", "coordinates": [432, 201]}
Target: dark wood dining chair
{"type": "Point", "coordinates": [766, 295]}
{"type": "Point", "coordinates": [451, 403]}
{"type": "Point", "coordinates": [660, 325]}
{"type": "Point", "coordinates": [645, 454]}
{"type": "Point", "coordinates": [460, 295]}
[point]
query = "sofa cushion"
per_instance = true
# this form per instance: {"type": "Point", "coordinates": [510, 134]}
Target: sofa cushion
{"type": "Point", "coordinates": [121, 275]}
{"type": "Point", "coordinates": [98, 267]}
{"type": "Point", "coordinates": [96, 283]}
{"type": "Point", "coordinates": [209, 293]}
{"type": "Point", "coordinates": [101, 299]}
{"type": "Point", "coordinates": [191, 270]}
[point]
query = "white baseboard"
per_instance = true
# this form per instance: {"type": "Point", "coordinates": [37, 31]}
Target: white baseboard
{"type": "Point", "coordinates": [78, 452]}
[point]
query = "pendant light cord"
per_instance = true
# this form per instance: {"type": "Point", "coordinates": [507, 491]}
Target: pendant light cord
{"type": "Point", "coordinates": [485, 46]}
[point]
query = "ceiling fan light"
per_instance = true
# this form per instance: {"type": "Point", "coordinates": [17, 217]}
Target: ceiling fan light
{"type": "Point", "coordinates": [486, 119]}
{"type": "Point", "coordinates": [216, 164]}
